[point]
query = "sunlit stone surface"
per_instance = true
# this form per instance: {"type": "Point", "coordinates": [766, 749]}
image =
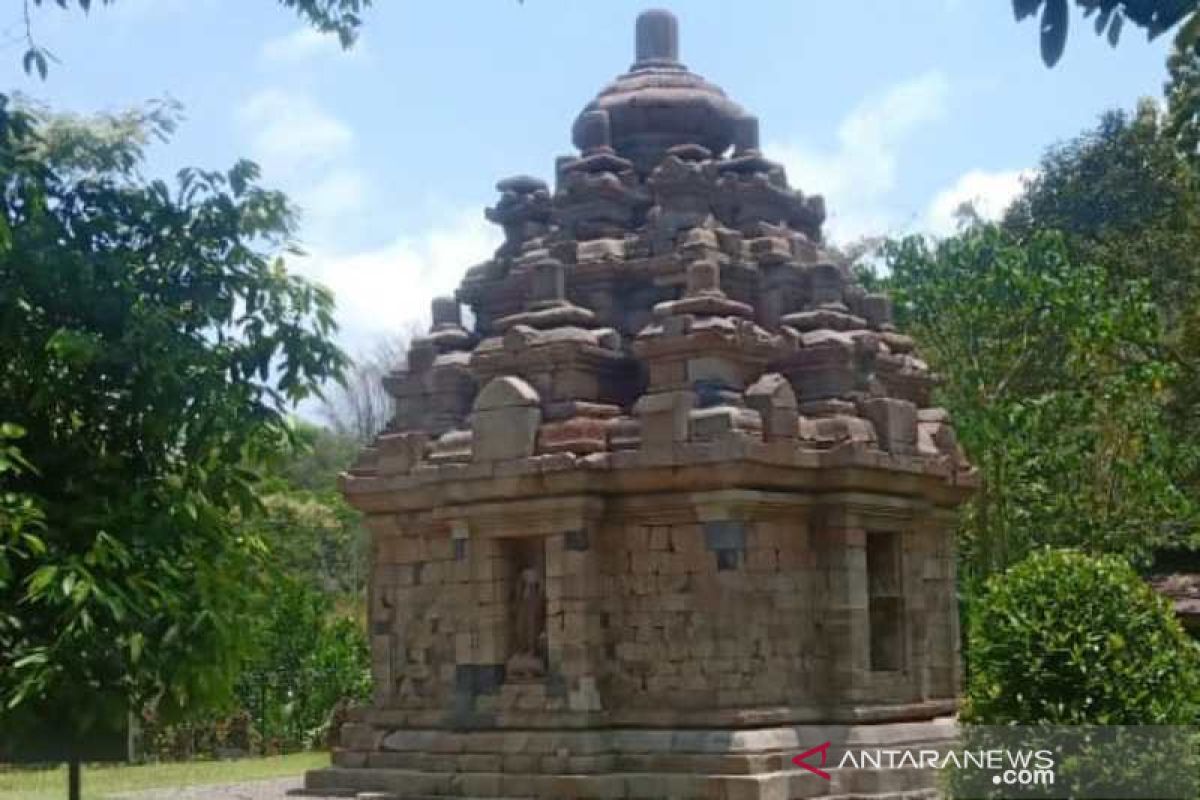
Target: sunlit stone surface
{"type": "Point", "coordinates": [675, 506]}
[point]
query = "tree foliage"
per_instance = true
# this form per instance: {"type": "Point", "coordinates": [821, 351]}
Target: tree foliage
{"type": "Point", "coordinates": [1127, 201]}
{"type": "Point", "coordinates": [21, 519]}
{"type": "Point", "coordinates": [1154, 16]}
{"type": "Point", "coordinates": [341, 18]}
{"type": "Point", "coordinates": [307, 660]}
{"type": "Point", "coordinates": [306, 657]}
{"type": "Point", "coordinates": [313, 534]}
{"type": "Point", "coordinates": [1067, 341]}
{"type": "Point", "coordinates": [152, 342]}
{"type": "Point", "coordinates": [1067, 639]}
{"type": "Point", "coordinates": [1049, 372]}
{"type": "Point", "coordinates": [1183, 99]}
{"type": "Point", "coordinates": [1080, 652]}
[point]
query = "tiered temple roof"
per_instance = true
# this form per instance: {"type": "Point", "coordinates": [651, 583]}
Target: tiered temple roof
{"type": "Point", "coordinates": [672, 289]}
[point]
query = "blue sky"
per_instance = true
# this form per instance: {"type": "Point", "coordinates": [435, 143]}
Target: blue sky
{"type": "Point", "coordinates": [896, 110]}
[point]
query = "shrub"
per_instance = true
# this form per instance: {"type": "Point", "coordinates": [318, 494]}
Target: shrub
{"type": "Point", "coordinates": [310, 664]}
{"type": "Point", "coordinates": [1063, 638]}
{"type": "Point", "coordinates": [309, 659]}
{"type": "Point", "coordinates": [209, 736]}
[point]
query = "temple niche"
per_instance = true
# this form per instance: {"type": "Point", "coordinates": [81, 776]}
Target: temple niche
{"type": "Point", "coordinates": [675, 508]}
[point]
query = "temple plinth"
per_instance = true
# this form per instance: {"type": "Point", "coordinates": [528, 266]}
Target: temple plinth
{"type": "Point", "coordinates": [675, 506]}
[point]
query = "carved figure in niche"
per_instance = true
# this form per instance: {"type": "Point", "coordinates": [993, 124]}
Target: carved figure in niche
{"type": "Point", "coordinates": [529, 629]}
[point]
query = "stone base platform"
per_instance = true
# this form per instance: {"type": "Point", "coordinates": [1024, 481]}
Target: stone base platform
{"type": "Point", "coordinates": [627, 764]}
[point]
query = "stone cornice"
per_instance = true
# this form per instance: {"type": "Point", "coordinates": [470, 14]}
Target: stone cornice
{"type": "Point", "coordinates": [691, 467]}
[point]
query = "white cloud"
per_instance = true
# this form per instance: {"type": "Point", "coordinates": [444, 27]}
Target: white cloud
{"type": "Point", "coordinates": [309, 153]}
{"type": "Point", "coordinates": [302, 44]}
{"type": "Point", "coordinates": [381, 290]}
{"type": "Point", "coordinates": [290, 132]}
{"type": "Point", "coordinates": [989, 193]}
{"type": "Point", "coordinates": [389, 288]}
{"type": "Point", "coordinates": [329, 198]}
{"type": "Point", "coordinates": [858, 174]}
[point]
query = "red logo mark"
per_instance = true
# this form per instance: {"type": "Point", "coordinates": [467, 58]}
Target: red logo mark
{"type": "Point", "coordinates": [823, 749]}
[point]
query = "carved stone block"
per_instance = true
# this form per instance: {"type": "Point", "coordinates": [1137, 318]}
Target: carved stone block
{"type": "Point", "coordinates": [505, 420]}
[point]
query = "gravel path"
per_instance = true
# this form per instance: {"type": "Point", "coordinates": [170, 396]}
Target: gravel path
{"type": "Point", "coordinates": [272, 789]}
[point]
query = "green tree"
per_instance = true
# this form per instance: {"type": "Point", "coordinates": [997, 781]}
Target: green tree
{"type": "Point", "coordinates": [1049, 369]}
{"type": "Point", "coordinates": [313, 534]}
{"type": "Point", "coordinates": [1183, 99]}
{"type": "Point", "coordinates": [314, 457]}
{"type": "Point", "coordinates": [307, 658]}
{"type": "Point", "coordinates": [341, 18]}
{"type": "Point", "coordinates": [1127, 201]}
{"type": "Point", "coordinates": [20, 517]}
{"type": "Point", "coordinates": [151, 341]}
{"type": "Point", "coordinates": [306, 653]}
{"type": "Point", "coordinates": [1065, 337]}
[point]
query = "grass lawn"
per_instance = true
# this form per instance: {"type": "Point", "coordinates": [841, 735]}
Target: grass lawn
{"type": "Point", "coordinates": [101, 781]}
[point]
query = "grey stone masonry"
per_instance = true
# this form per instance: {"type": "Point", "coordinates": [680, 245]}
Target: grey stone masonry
{"type": "Point", "coordinates": [673, 502]}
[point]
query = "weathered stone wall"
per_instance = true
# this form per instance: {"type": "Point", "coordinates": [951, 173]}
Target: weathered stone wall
{"type": "Point", "coordinates": [678, 500]}
{"type": "Point", "coordinates": [663, 618]}
{"type": "Point", "coordinates": [714, 615]}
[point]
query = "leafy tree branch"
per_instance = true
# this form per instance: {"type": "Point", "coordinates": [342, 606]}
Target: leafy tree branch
{"type": "Point", "coordinates": [340, 18]}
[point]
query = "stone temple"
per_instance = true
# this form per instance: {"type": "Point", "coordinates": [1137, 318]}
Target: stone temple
{"type": "Point", "coordinates": [674, 507]}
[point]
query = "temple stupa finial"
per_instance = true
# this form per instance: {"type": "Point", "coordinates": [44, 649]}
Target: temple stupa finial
{"type": "Point", "coordinates": [657, 37]}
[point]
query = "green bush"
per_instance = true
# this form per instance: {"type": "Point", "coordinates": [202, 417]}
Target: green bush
{"type": "Point", "coordinates": [209, 736]}
{"type": "Point", "coordinates": [1063, 638]}
{"type": "Point", "coordinates": [310, 663]}
{"type": "Point", "coordinates": [309, 660]}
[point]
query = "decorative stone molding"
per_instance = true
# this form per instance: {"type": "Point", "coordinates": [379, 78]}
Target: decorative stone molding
{"type": "Point", "coordinates": [678, 490]}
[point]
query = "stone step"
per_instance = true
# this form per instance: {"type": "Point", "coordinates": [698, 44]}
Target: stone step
{"type": "Point", "coordinates": [779, 785]}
